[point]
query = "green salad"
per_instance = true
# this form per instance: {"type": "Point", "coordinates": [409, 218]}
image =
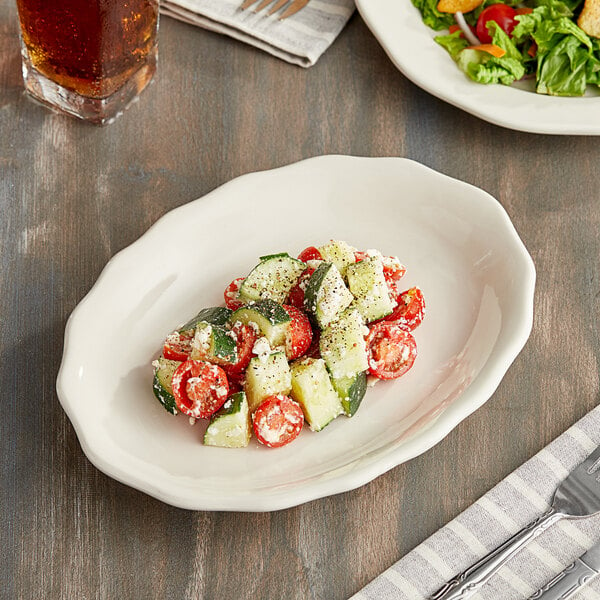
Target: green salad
{"type": "Point", "coordinates": [554, 42]}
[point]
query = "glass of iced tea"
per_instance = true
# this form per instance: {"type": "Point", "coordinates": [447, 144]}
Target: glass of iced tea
{"type": "Point", "coordinates": [89, 58]}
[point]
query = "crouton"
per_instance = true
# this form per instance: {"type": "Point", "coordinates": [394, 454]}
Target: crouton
{"type": "Point", "coordinates": [589, 19]}
{"type": "Point", "coordinates": [454, 6]}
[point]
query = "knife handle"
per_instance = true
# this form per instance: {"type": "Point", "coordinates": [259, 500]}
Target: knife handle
{"type": "Point", "coordinates": [565, 584]}
{"type": "Point", "coordinates": [471, 580]}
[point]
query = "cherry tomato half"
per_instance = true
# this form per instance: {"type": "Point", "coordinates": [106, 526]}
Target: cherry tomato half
{"type": "Point", "coordinates": [391, 349]}
{"type": "Point", "coordinates": [299, 333]}
{"type": "Point", "coordinates": [232, 293]}
{"type": "Point", "coordinates": [245, 336]}
{"type": "Point", "coordinates": [410, 310]}
{"type": "Point", "coordinates": [310, 253]}
{"type": "Point", "coordinates": [277, 421]}
{"type": "Point", "coordinates": [178, 345]}
{"type": "Point", "coordinates": [501, 13]}
{"type": "Point", "coordinates": [296, 295]}
{"type": "Point", "coordinates": [393, 269]}
{"type": "Point", "coordinates": [199, 388]}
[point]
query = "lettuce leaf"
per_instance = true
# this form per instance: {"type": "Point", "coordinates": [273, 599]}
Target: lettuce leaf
{"type": "Point", "coordinates": [453, 43]}
{"type": "Point", "coordinates": [432, 17]}
{"type": "Point", "coordinates": [481, 66]}
{"type": "Point", "coordinates": [565, 61]}
{"type": "Point", "coordinates": [562, 70]}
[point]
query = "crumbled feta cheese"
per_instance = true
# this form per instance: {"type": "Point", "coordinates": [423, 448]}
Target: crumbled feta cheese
{"type": "Point", "coordinates": [202, 338]}
{"type": "Point", "coordinates": [262, 348]}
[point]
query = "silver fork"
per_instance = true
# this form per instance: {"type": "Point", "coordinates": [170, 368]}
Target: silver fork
{"type": "Point", "coordinates": [577, 496]}
{"type": "Point", "coordinates": [291, 6]}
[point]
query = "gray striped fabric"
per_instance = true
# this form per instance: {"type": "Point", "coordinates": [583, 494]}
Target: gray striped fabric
{"type": "Point", "coordinates": [299, 39]}
{"type": "Point", "coordinates": [516, 501]}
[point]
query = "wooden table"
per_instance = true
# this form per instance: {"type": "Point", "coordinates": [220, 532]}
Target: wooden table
{"type": "Point", "coordinates": [72, 195]}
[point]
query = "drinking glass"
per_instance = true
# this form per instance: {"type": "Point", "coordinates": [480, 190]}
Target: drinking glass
{"type": "Point", "coordinates": [88, 58]}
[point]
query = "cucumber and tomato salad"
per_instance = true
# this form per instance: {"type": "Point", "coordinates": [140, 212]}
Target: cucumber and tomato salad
{"type": "Point", "coordinates": [295, 342]}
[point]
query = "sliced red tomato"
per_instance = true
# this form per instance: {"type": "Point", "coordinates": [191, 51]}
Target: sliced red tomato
{"type": "Point", "coordinates": [232, 294]}
{"type": "Point", "coordinates": [360, 255]}
{"type": "Point", "coordinates": [310, 253]}
{"type": "Point", "coordinates": [502, 14]}
{"type": "Point", "coordinates": [393, 269]}
{"type": "Point", "coordinates": [236, 382]}
{"type": "Point", "coordinates": [391, 349]}
{"type": "Point", "coordinates": [200, 388]}
{"type": "Point", "coordinates": [245, 336]}
{"type": "Point", "coordinates": [299, 333]}
{"type": "Point", "coordinates": [410, 310]}
{"type": "Point", "coordinates": [277, 421]}
{"type": "Point", "coordinates": [296, 295]}
{"type": "Point", "coordinates": [178, 345]}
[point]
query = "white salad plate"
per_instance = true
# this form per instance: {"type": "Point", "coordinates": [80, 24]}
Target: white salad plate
{"type": "Point", "coordinates": [458, 245]}
{"type": "Point", "coordinates": [409, 43]}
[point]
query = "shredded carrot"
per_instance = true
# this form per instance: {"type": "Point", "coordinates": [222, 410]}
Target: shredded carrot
{"type": "Point", "coordinates": [525, 10]}
{"type": "Point", "coordinates": [490, 49]}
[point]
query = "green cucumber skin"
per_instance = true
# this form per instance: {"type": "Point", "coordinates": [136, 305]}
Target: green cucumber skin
{"type": "Point", "coordinates": [278, 255]}
{"type": "Point", "coordinates": [224, 346]}
{"type": "Point", "coordinates": [312, 287]}
{"type": "Point", "coordinates": [232, 406]}
{"type": "Point", "coordinates": [215, 315]}
{"type": "Point", "coordinates": [163, 396]}
{"type": "Point", "coordinates": [353, 396]}
{"type": "Point", "coordinates": [272, 311]}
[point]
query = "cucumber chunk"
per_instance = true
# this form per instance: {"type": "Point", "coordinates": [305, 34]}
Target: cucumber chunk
{"type": "Point", "coordinates": [267, 375]}
{"type": "Point", "coordinates": [162, 383]}
{"type": "Point", "coordinates": [339, 253]}
{"type": "Point", "coordinates": [215, 315]}
{"type": "Point", "coordinates": [272, 278]}
{"type": "Point", "coordinates": [270, 317]}
{"type": "Point", "coordinates": [312, 389]}
{"type": "Point", "coordinates": [326, 294]}
{"type": "Point", "coordinates": [213, 343]}
{"type": "Point", "coordinates": [351, 391]}
{"type": "Point", "coordinates": [343, 345]}
{"type": "Point", "coordinates": [367, 283]}
{"type": "Point", "coordinates": [230, 426]}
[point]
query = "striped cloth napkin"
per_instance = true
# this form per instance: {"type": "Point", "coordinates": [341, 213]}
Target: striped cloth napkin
{"type": "Point", "coordinates": [516, 501]}
{"type": "Point", "coordinates": [299, 39]}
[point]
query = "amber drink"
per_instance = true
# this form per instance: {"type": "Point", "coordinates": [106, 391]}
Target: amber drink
{"type": "Point", "coordinates": [89, 58]}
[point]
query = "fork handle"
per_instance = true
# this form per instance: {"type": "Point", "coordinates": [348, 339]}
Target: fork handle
{"type": "Point", "coordinates": [471, 580]}
{"type": "Point", "coordinates": [567, 583]}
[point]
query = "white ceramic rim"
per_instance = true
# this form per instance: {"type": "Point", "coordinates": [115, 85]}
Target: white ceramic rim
{"type": "Point", "coordinates": [409, 43]}
{"type": "Point", "coordinates": [478, 392]}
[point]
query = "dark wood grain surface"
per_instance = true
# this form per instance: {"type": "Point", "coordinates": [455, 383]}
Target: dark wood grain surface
{"type": "Point", "coordinates": [72, 195]}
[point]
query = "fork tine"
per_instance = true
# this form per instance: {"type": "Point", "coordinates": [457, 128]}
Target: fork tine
{"type": "Point", "coordinates": [246, 4]}
{"type": "Point", "coordinates": [277, 6]}
{"type": "Point", "coordinates": [293, 8]}
{"type": "Point", "coordinates": [262, 5]}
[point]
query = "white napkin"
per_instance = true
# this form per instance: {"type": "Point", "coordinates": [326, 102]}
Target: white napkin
{"type": "Point", "coordinates": [516, 501]}
{"type": "Point", "coordinates": [299, 39]}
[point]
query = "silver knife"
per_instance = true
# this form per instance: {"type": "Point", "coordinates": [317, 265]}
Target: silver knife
{"type": "Point", "coordinates": [573, 578]}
